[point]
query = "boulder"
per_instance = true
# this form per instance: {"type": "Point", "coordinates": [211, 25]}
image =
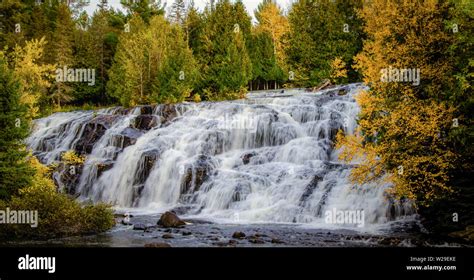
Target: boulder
{"type": "Point", "coordinates": [233, 242]}
{"type": "Point", "coordinates": [255, 240]}
{"type": "Point", "coordinates": [335, 126]}
{"type": "Point", "coordinates": [170, 220]}
{"type": "Point", "coordinates": [238, 235]}
{"type": "Point", "coordinates": [121, 111]}
{"type": "Point", "coordinates": [342, 92]}
{"type": "Point", "coordinates": [246, 157]}
{"type": "Point", "coordinates": [241, 191]}
{"type": "Point", "coordinates": [277, 241]}
{"type": "Point", "coordinates": [137, 192]}
{"type": "Point", "coordinates": [139, 227]}
{"type": "Point", "coordinates": [167, 236]}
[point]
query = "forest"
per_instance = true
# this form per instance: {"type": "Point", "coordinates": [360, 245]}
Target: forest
{"type": "Point", "coordinates": [415, 127]}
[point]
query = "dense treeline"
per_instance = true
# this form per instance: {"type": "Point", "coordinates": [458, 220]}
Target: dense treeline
{"type": "Point", "coordinates": [415, 133]}
{"type": "Point", "coordinates": [153, 54]}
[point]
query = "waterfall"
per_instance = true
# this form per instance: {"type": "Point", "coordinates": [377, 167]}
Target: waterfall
{"type": "Point", "coordinates": [269, 158]}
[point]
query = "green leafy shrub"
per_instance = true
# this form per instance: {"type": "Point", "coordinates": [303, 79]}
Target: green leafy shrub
{"type": "Point", "coordinates": [58, 215]}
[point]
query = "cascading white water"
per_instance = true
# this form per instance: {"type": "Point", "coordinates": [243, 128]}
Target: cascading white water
{"type": "Point", "coordinates": [268, 158]}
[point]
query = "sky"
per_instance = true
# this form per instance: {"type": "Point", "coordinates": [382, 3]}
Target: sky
{"type": "Point", "coordinates": [250, 4]}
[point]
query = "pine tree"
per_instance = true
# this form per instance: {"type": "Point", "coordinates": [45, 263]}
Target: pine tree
{"type": "Point", "coordinates": [94, 48]}
{"type": "Point", "coordinates": [63, 52]}
{"type": "Point", "coordinates": [223, 56]}
{"type": "Point", "coordinates": [178, 12]}
{"type": "Point", "coordinates": [152, 64]}
{"type": "Point", "coordinates": [13, 23]}
{"type": "Point", "coordinates": [128, 75]}
{"type": "Point", "coordinates": [193, 27]}
{"type": "Point", "coordinates": [320, 31]}
{"type": "Point", "coordinates": [14, 172]}
{"type": "Point", "coordinates": [177, 77]}
{"type": "Point", "coordinates": [146, 9]}
{"type": "Point", "coordinates": [265, 67]}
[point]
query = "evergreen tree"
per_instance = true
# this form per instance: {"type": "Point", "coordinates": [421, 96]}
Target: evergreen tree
{"type": "Point", "coordinates": [177, 77]}
{"type": "Point", "coordinates": [177, 12]}
{"type": "Point", "coordinates": [223, 56]}
{"type": "Point", "coordinates": [150, 63]}
{"type": "Point", "coordinates": [146, 9]}
{"type": "Point", "coordinates": [94, 49]}
{"type": "Point", "coordinates": [194, 27]}
{"type": "Point", "coordinates": [320, 31]}
{"type": "Point", "coordinates": [264, 61]}
{"type": "Point", "coordinates": [128, 73]}
{"type": "Point", "coordinates": [14, 172]}
{"type": "Point", "coordinates": [62, 46]}
{"type": "Point", "coordinates": [13, 23]}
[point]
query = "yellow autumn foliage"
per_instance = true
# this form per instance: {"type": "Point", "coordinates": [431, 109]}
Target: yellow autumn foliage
{"type": "Point", "coordinates": [197, 98]}
{"type": "Point", "coordinates": [403, 126]}
{"type": "Point", "coordinates": [71, 157]}
{"type": "Point", "coordinates": [338, 70]}
{"type": "Point", "coordinates": [272, 20]}
{"type": "Point", "coordinates": [34, 76]}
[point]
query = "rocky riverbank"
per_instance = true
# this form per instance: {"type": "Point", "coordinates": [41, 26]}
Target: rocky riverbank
{"type": "Point", "coordinates": [146, 231]}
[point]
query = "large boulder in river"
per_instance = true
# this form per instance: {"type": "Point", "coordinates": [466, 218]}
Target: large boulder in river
{"type": "Point", "coordinates": [170, 220]}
